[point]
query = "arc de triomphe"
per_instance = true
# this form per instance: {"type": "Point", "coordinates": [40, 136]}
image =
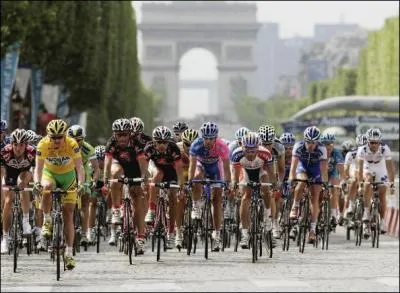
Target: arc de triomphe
{"type": "Point", "coordinates": [228, 30]}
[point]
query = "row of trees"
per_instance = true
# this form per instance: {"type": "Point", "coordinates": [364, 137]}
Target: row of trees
{"type": "Point", "coordinates": [377, 74]}
{"type": "Point", "coordinates": [89, 48]}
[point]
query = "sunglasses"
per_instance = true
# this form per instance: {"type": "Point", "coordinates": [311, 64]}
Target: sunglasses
{"type": "Point", "coordinates": [250, 150]}
{"type": "Point", "coordinates": [161, 142]}
{"type": "Point", "coordinates": [187, 144]}
{"type": "Point", "coordinates": [374, 142]}
{"type": "Point", "coordinates": [56, 137]}
{"type": "Point", "coordinates": [267, 143]}
{"type": "Point", "coordinates": [121, 134]}
{"type": "Point", "coordinates": [209, 138]}
{"type": "Point", "coordinates": [310, 142]}
{"type": "Point", "coordinates": [79, 140]}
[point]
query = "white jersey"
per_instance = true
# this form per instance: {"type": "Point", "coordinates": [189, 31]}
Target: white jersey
{"type": "Point", "coordinates": [375, 162]}
{"type": "Point", "coordinates": [351, 159]}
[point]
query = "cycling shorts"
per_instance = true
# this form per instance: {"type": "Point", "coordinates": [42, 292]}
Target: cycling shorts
{"type": "Point", "coordinates": [211, 171]}
{"type": "Point", "coordinates": [66, 181]}
{"type": "Point", "coordinates": [313, 173]}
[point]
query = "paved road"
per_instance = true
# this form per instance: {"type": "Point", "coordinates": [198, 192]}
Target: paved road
{"type": "Point", "coordinates": [344, 267]}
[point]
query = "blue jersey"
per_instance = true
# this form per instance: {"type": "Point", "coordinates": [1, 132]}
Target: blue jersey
{"type": "Point", "coordinates": [335, 158]}
{"type": "Point", "coordinates": [232, 146]}
{"type": "Point", "coordinates": [309, 162]}
{"type": "Point", "coordinates": [307, 158]}
{"type": "Point", "coordinates": [5, 142]}
{"type": "Point", "coordinates": [209, 156]}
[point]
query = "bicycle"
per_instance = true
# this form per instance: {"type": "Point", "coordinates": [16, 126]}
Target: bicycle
{"type": "Point", "coordinates": [207, 208]}
{"type": "Point", "coordinates": [57, 247]}
{"type": "Point", "coordinates": [257, 232]}
{"type": "Point", "coordinates": [284, 220]}
{"type": "Point", "coordinates": [101, 216]}
{"type": "Point", "coordinates": [16, 224]}
{"type": "Point", "coordinates": [304, 216]}
{"type": "Point", "coordinates": [235, 226]}
{"type": "Point", "coordinates": [127, 238]}
{"type": "Point", "coordinates": [161, 225]}
{"type": "Point", "coordinates": [375, 220]}
{"type": "Point", "coordinates": [187, 222]}
{"type": "Point", "coordinates": [324, 218]}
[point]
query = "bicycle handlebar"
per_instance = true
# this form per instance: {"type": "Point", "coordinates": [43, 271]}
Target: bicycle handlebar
{"type": "Point", "coordinates": [209, 182]}
{"type": "Point", "coordinates": [126, 180]}
{"type": "Point", "coordinates": [165, 185]}
{"type": "Point", "coordinates": [16, 188]}
{"type": "Point", "coordinates": [255, 184]}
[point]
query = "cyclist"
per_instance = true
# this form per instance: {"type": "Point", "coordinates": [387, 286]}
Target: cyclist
{"type": "Point", "coordinates": [167, 159]}
{"type": "Point", "coordinates": [17, 158]}
{"type": "Point", "coordinates": [271, 142]}
{"type": "Point", "coordinates": [205, 154]}
{"type": "Point", "coordinates": [124, 156]}
{"type": "Point", "coordinates": [374, 157]}
{"type": "Point", "coordinates": [57, 158]}
{"type": "Point", "coordinates": [88, 157]}
{"type": "Point", "coordinates": [309, 162]}
{"type": "Point", "coordinates": [242, 131]}
{"type": "Point", "coordinates": [178, 128]}
{"type": "Point", "coordinates": [98, 184]}
{"type": "Point", "coordinates": [335, 172]}
{"type": "Point", "coordinates": [4, 139]}
{"type": "Point", "coordinates": [351, 172]}
{"type": "Point", "coordinates": [253, 159]}
{"type": "Point", "coordinates": [137, 132]}
{"type": "Point", "coordinates": [188, 136]}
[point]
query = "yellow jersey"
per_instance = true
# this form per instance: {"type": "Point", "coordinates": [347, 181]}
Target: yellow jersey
{"type": "Point", "coordinates": [185, 159]}
{"type": "Point", "coordinates": [60, 160]}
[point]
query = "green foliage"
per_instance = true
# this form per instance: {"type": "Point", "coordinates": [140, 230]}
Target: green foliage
{"type": "Point", "coordinates": [90, 48]}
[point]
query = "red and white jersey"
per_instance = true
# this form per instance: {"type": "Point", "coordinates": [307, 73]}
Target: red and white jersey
{"type": "Point", "coordinates": [8, 159]}
{"type": "Point", "coordinates": [238, 158]}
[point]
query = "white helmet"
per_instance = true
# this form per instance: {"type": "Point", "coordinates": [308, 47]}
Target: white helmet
{"type": "Point", "coordinates": [373, 134]}
{"type": "Point", "coordinates": [137, 124]}
{"type": "Point", "coordinates": [242, 131]}
{"type": "Point", "coordinates": [162, 133]}
{"type": "Point", "coordinates": [19, 136]}
{"type": "Point", "coordinates": [122, 124]}
{"type": "Point", "coordinates": [251, 140]}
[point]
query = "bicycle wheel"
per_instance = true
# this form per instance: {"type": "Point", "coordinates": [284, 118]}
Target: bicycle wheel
{"type": "Point", "coordinates": [15, 238]}
{"type": "Point", "coordinates": [189, 227]}
{"type": "Point", "coordinates": [127, 228]}
{"type": "Point", "coordinates": [303, 225]}
{"type": "Point", "coordinates": [237, 226]}
{"type": "Point", "coordinates": [224, 234]}
{"type": "Point", "coordinates": [254, 233]}
{"type": "Point", "coordinates": [206, 227]}
{"type": "Point", "coordinates": [378, 230]}
{"type": "Point", "coordinates": [159, 227]}
{"type": "Point", "coordinates": [98, 227]}
{"type": "Point", "coordinates": [56, 246]}
{"type": "Point", "coordinates": [327, 226]}
{"type": "Point", "coordinates": [286, 226]}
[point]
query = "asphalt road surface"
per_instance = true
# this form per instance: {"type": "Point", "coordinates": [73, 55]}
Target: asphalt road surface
{"type": "Point", "coordinates": [344, 267]}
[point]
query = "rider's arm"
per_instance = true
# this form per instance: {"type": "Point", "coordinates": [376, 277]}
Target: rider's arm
{"type": "Point", "coordinates": [389, 168]}
{"type": "Point", "coordinates": [346, 166]}
{"type": "Point", "coordinates": [293, 167]}
{"type": "Point", "coordinates": [143, 165]}
{"type": "Point", "coordinates": [96, 169]}
{"type": "Point", "coordinates": [281, 167]}
{"type": "Point", "coordinates": [270, 168]}
{"type": "Point", "coordinates": [192, 166]}
{"type": "Point", "coordinates": [323, 164]}
{"type": "Point", "coordinates": [360, 164]}
{"type": "Point", "coordinates": [179, 171]}
{"type": "Point", "coordinates": [107, 166]}
{"type": "Point", "coordinates": [37, 175]}
{"type": "Point", "coordinates": [227, 169]}
{"type": "Point", "coordinates": [79, 170]}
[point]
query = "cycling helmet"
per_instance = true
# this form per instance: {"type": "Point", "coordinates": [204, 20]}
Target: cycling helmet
{"type": "Point", "coordinates": [162, 133]}
{"type": "Point", "coordinates": [242, 131]}
{"type": "Point", "coordinates": [312, 133]}
{"type": "Point", "coordinates": [250, 140]}
{"type": "Point", "coordinates": [287, 138]}
{"type": "Point", "coordinates": [179, 127]}
{"type": "Point", "coordinates": [189, 135]}
{"type": "Point", "coordinates": [373, 134]}
{"type": "Point", "coordinates": [3, 125]}
{"type": "Point", "coordinates": [32, 136]}
{"type": "Point", "coordinates": [361, 140]}
{"type": "Point", "coordinates": [327, 138]}
{"type": "Point", "coordinates": [137, 124]}
{"type": "Point", "coordinates": [209, 130]}
{"type": "Point", "coordinates": [347, 145]}
{"type": "Point", "coordinates": [56, 127]}
{"type": "Point", "coordinates": [122, 124]}
{"type": "Point", "coordinates": [76, 131]}
{"type": "Point", "coordinates": [100, 151]}
{"type": "Point", "coordinates": [19, 136]}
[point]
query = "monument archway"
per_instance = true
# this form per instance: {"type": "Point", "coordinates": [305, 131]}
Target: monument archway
{"type": "Point", "coordinates": [228, 30]}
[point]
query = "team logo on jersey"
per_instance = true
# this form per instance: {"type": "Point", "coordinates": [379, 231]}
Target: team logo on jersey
{"type": "Point", "coordinates": [58, 161]}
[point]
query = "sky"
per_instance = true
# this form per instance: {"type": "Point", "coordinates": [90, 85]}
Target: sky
{"type": "Point", "coordinates": [201, 64]}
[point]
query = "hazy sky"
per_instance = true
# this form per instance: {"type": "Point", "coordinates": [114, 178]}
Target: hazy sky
{"type": "Point", "coordinates": [200, 64]}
